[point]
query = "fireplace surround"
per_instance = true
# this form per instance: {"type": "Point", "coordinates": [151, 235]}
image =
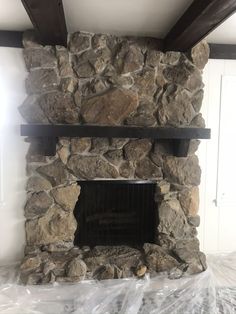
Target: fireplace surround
{"type": "Point", "coordinates": [104, 80]}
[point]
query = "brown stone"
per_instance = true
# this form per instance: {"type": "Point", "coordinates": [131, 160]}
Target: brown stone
{"type": "Point", "coordinates": [163, 187]}
{"type": "Point", "coordinates": [37, 184]}
{"type": "Point", "coordinates": [63, 154]}
{"type": "Point", "coordinates": [41, 57]}
{"type": "Point", "coordinates": [126, 169]}
{"type": "Point", "coordinates": [37, 205]}
{"type": "Point", "coordinates": [129, 58]}
{"type": "Point", "coordinates": [67, 196]}
{"type": "Point", "coordinates": [77, 268]}
{"type": "Point", "coordinates": [198, 121]}
{"type": "Point", "coordinates": [141, 120]}
{"type": "Point", "coordinates": [64, 66]}
{"type": "Point", "coordinates": [79, 42]}
{"type": "Point", "coordinates": [172, 220]}
{"type": "Point", "coordinates": [104, 272]}
{"type": "Point", "coordinates": [59, 107]}
{"type": "Point", "coordinates": [68, 84]}
{"type": "Point", "coordinates": [110, 108]}
{"type": "Point", "coordinates": [171, 57]}
{"type": "Point", "coordinates": [184, 171]}
{"type": "Point", "coordinates": [153, 58]}
{"type": "Point", "coordinates": [31, 111]}
{"type": "Point", "coordinates": [200, 54]}
{"type": "Point", "coordinates": [55, 172]}
{"type": "Point", "coordinates": [41, 80]}
{"type": "Point", "coordinates": [99, 145]}
{"type": "Point", "coordinates": [103, 57]}
{"type": "Point", "coordinates": [30, 263]}
{"type": "Point", "coordinates": [83, 64]}
{"type": "Point", "coordinates": [189, 200]}
{"type": "Point", "coordinates": [56, 225]}
{"type": "Point", "coordinates": [146, 169]}
{"type": "Point", "coordinates": [197, 99]}
{"type": "Point", "coordinates": [91, 167]}
{"type": "Point", "coordinates": [80, 145]}
{"type": "Point", "coordinates": [117, 143]}
{"type": "Point", "coordinates": [137, 149]}
{"type": "Point", "coordinates": [114, 156]}
{"type": "Point", "coordinates": [141, 270]}
{"type": "Point", "coordinates": [158, 259]}
{"type": "Point", "coordinates": [175, 108]}
{"type": "Point", "coordinates": [145, 82]}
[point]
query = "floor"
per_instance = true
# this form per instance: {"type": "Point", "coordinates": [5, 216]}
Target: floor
{"type": "Point", "coordinates": [211, 292]}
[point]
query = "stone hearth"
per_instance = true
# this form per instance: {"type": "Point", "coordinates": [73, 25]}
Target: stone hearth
{"type": "Point", "coordinates": [108, 80]}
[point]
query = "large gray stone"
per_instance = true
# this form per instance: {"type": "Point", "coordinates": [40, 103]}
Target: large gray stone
{"type": "Point", "coordinates": [197, 99]}
{"type": "Point", "coordinates": [200, 54]}
{"type": "Point", "coordinates": [90, 167]}
{"type": "Point", "coordinates": [80, 145]}
{"type": "Point", "coordinates": [31, 111]}
{"type": "Point", "coordinates": [114, 156]}
{"type": "Point", "coordinates": [153, 58]}
{"type": "Point", "coordinates": [184, 171]}
{"type": "Point", "coordinates": [137, 149]}
{"type": "Point", "coordinates": [110, 108]}
{"type": "Point", "coordinates": [67, 196]}
{"type": "Point", "coordinates": [41, 80]}
{"type": "Point", "coordinates": [77, 268]}
{"type": "Point", "coordinates": [59, 107]}
{"type": "Point", "coordinates": [141, 120]}
{"type": "Point", "coordinates": [64, 66]}
{"type": "Point", "coordinates": [175, 107]}
{"type": "Point", "coordinates": [42, 57]}
{"type": "Point", "coordinates": [129, 58]}
{"type": "Point", "coordinates": [145, 82]}
{"type": "Point", "coordinates": [55, 172]}
{"type": "Point", "coordinates": [189, 200]}
{"type": "Point", "coordinates": [55, 226]}
{"type": "Point", "coordinates": [172, 220]}
{"type": "Point", "coordinates": [79, 42]}
{"type": "Point", "coordinates": [83, 64]}
{"type": "Point", "coordinates": [158, 259]}
{"type": "Point", "coordinates": [37, 184]}
{"type": "Point", "coordinates": [37, 205]}
{"type": "Point", "coordinates": [146, 169]}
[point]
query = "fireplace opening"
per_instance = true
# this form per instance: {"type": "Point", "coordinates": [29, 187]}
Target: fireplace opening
{"type": "Point", "coordinates": [115, 212]}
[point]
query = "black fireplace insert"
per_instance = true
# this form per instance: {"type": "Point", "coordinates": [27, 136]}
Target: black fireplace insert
{"type": "Point", "coordinates": [115, 212]}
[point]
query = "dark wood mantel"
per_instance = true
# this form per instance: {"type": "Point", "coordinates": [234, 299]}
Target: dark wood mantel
{"type": "Point", "coordinates": [49, 134]}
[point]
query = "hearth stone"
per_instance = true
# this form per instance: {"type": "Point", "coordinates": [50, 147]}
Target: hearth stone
{"type": "Point", "coordinates": [103, 79]}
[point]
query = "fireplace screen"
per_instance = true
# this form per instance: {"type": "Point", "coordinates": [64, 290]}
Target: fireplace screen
{"type": "Point", "coordinates": [115, 212]}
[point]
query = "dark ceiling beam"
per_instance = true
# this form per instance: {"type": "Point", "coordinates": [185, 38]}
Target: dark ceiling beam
{"type": "Point", "coordinates": [222, 51]}
{"type": "Point", "coordinates": [48, 19]}
{"type": "Point", "coordinates": [11, 39]}
{"type": "Point", "coordinates": [197, 22]}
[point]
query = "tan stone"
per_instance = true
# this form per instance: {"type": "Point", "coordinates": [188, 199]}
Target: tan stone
{"type": "Point", "coordinates": [63, 153]}
{"type": "Point", "coordinates": [80, 145]}
{"type": "Point", "coordinates": [189, 200]}
{"type": "Point", "coordinates": [67, 196]}
{"type": "Point", "coordinates": [137, 149]}
{"type": "Point", "coordinates": [185, 171]}
{"type": "Point", "coordinates": [56, 225]}
{"type": "Point", "coordinates": [77, 268]}
{"type": "Point", "coordinates": [200, 54]}
{"type": "Point", "coordinates": [110, 108]}
{"type": "Point", "coordinates": [30, 263]}
{"type": "Point", "coordinates": [38, 184]}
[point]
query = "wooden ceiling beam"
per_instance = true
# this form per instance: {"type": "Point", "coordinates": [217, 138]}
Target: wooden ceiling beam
{"type": "Point", "coordinates": [197, 22]}
{"type": "Point", "coordinates": [222, 51]}
{"type": "Point", "coordinates": [11, 39]}
{"type": "Point", "coordinates": [48, 19]}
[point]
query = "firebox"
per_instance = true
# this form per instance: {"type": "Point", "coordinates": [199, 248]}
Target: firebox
{"type": "Point", "coordinates": [114, 212]}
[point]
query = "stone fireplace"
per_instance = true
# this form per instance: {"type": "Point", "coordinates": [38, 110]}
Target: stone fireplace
{"type": "Point", "coordinates": [107, 208]}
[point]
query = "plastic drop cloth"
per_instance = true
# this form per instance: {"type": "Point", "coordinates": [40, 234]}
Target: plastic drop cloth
{"type": "Point", "coordinates": [213, 291]}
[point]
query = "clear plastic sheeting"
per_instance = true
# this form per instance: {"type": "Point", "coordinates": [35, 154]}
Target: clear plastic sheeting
{"type": "Point", "coordinates": [213, 291]}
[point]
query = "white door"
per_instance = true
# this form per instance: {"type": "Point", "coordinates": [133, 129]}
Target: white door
{"type": "Point", "coordinates": [217, 232]}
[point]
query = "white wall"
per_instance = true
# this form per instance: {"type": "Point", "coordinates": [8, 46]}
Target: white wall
{"type": "Point", "coordinates": [12, 155]}
{"type": "Point", "coordinates": [217, 232]}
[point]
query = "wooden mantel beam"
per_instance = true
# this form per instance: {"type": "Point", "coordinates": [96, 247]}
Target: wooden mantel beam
{"type": "Point", "coordinates": [197, 22]}
{"type": "Point", "coordinates": [48, 19]}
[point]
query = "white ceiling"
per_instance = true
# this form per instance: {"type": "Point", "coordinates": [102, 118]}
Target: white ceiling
{"type": "Point", "coordinates": [225, 33]}
{"type": "Point", "coordinates": [126, 17]}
